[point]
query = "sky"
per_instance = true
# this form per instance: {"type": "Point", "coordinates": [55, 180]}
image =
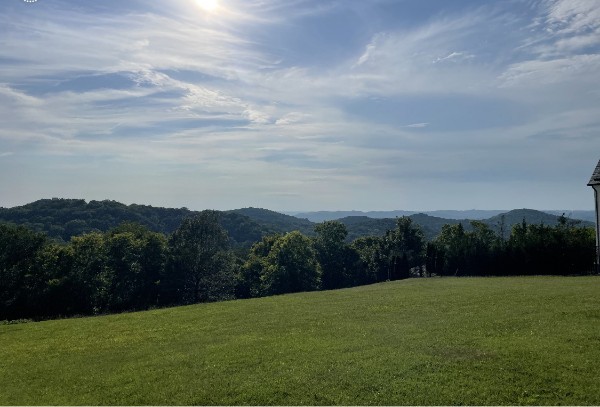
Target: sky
{"type": "Point", "coordinates": [301, 105]}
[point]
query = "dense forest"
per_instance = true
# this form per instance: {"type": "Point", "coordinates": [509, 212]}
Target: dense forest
{"type": "Point", "coordinates": [187, 257]}
{"type": "Point", "coordinates": [62, 219]}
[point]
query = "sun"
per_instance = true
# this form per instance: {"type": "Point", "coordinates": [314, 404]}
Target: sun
{"type": "Point", "coordinates": [208, 5]}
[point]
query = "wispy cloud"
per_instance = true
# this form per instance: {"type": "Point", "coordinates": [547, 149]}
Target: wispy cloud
{"type": "Point", "coordinates": [242, 101]}
{"type": "Point", "coordinates": [572, 16]}
{"type": "Point", "coordinates": [534, 73]}
{"type": "Point", "coordinates": [454, 56]}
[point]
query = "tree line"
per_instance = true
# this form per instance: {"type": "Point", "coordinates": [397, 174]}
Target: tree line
{"type": "Point", "coordinates": [530, 249]}
{"type": "Point", "coordinates": [133, 268]}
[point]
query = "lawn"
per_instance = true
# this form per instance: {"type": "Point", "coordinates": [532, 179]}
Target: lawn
{"type": "Point", "coordinates": [524, 340]}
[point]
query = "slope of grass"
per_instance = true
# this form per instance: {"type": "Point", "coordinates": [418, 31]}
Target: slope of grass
{"type": "Point", "coordinates": [429, 341]}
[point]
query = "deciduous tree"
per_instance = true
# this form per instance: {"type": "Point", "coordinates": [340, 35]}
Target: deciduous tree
{"type": "Point", "coordinates": [404, 248]}
{"type": "Point", "coordinates": [291, 266]}
{"type": "Point", "coordinates": [200, 259]}
{"type": "Point", "coordinates": [333, 255]}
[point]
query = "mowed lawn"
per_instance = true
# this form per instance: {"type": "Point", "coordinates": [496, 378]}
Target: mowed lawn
{"type": "Point", "coordinates": [524, 340]}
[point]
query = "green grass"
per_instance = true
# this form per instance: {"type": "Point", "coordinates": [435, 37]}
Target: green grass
{"type": "Point", "coordinates": [526, 340]}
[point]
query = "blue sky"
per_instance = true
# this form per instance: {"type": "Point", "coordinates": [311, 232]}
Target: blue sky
{"type": "Point", "coordinates": [301, 104]}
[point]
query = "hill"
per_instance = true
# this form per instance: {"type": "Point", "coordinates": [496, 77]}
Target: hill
{"type": "Point", "coordinates": [432, 225]}
{"type": "Point", "coordinates": [530, 216]}
{"type": "Point", "coordinates": [357, 226]}
{"type": "Point", "coordinates": [475, 214]}
{"type": "Point", "coordinates": [589, 216]}
{"type": "Point", "coordinates": [364, 226]}
{"type": "Point", "coordinates": [322, 216]}
{"type": "Point", "coordinates": [275, 221]}
{"type": "Point", "coordinates": [476, 341]}
{"type": "Point", "coordinates": [63, 218]}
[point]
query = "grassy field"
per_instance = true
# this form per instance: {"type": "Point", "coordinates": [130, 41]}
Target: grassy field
{"type": "Point", "coordinates": [527, 340]}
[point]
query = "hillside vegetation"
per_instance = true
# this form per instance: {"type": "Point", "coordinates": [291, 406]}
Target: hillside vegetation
{"type": "Point", "coordinates": [474, 214]}
{"type": "Point", "coordinates": [277, 222]}
{"type": "Point", "coordinates": [445, 341]}
{"type": "Point", "coordinates": [61, 219]}
{"type": "Point", "coordinates": [131, 267]}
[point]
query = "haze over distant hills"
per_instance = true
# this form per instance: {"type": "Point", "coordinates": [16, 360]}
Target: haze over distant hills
{"type": "Point", "coordinates": [474, 214]}
{"type": "Point", "coordinates": [589, 216]}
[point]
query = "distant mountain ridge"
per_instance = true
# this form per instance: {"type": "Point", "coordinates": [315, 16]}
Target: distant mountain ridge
{"type": "Point", "coordinates": [63, 218]}
{"type": "Point", "coordinates": [473, 214]}
{"type": "Point", "coordinates": [589, 216]}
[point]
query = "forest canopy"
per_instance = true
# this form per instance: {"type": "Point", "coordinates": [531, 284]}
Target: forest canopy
{"type": "Point", "coordinates": [214, 256]}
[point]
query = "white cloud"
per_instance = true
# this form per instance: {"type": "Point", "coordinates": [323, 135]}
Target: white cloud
{"type": "Point", "coordinates": [295, 131]}
{"type": "Point", "coordinates": [19, 98]}
{"type": "Point", "coordinates": [564, 46]}
{"type": "Point", "coordinates": [410, 61]}
{"type": "Point", "coordinates": [454, 56]}
{"type": "Point", "coordinates": [292, 118]}
{"type": "Point", "coordinates": [365, 57]}
{"type": "Point", "coordinates": [534, 73]}
{"type": "Point", "coordinates": [257, 116]}
{"type": "Point", "coordinates": [578, 42]}
{"type": "Point", "coordinates": [565, 27]}
{"type": "Point", "coordinates": [573, 16]}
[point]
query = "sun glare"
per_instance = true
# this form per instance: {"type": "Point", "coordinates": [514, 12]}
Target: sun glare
{"type": "Point", "coordinates": [208, 5]}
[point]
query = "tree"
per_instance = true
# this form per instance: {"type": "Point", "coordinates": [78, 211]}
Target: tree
{"type": "Point", "coordinates": [434, 263]}
{"type": "Point", "coordinates": [373, 260]}
{"type": "Point", "coordinates": [153, 260]}
{"type": "Point", "coordinates": [56, 284]}
{"type": "Point", "coordinates": [201, 262]}
{"type": "Point", "coordinates": [483, 251]}
{"type": "Point", "coordinates": [452, 244]}
{"type": "Point", "coordinates": [90, 274]}
{"type": "Point", "coordinates": [136, 260]}
{"type": "Point", "coordinates": [18, 276]}
{"type": "Point", "coordinates": [460, 253]}
{"type": "Point", "coordinates": [248, 281]}
{"type": "Point", "coordinates": [541, 249]}
{"type": "Point", "coordinates": [333, 255]}
{"type": "Point", "coordinates": [404, 248]}
{"type": "Point", "coordinates": [124, 270]}
{"type": "Point", "coordinates": [291, 266]}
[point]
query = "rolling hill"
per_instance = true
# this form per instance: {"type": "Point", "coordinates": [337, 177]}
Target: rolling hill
{"type": "Point", "coordinates": [364, 226]}
{"type": "Point", "coordinates": [530, 216]}
{"type": "Point", "coordinates": [275, 221]}
{"type": "Point", "coordinates": [474, 214]}
{"type": "Point", "coordinates": [63, 218]}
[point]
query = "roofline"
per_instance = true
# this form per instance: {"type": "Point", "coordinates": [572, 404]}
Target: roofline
{"type": "Point", "coordinates": [595, 180]}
